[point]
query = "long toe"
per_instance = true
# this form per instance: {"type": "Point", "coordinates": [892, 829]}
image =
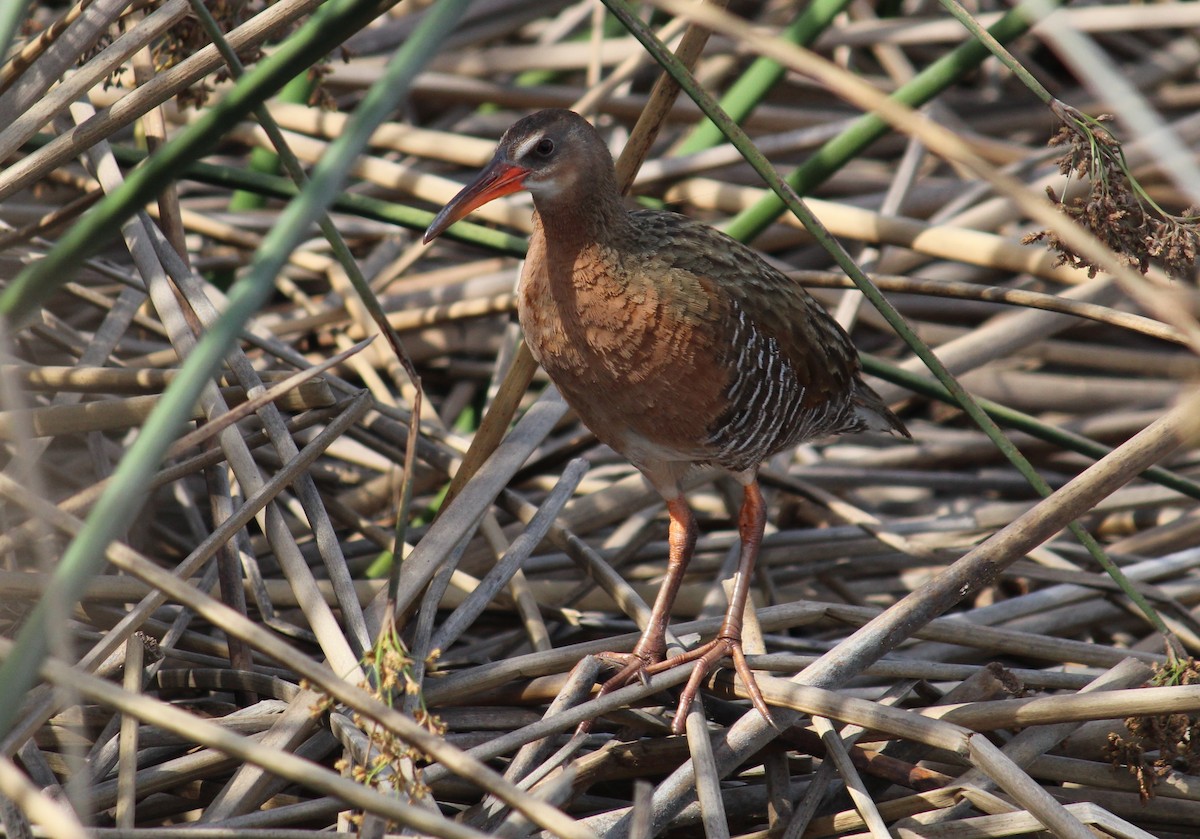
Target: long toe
{"type": "Point", "coordinates": [633, 666]}
{"type": "Point", "coordinates": [707, 658]}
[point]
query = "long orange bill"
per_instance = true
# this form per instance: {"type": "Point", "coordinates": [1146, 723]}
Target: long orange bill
{"type": "Point", "coordinates": [499, 178]}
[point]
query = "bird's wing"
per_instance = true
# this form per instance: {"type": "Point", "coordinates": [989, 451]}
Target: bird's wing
{"type": "Point", "coordinates": [791, 373]}
{"type": "Point", "coordinates": [757, 301]}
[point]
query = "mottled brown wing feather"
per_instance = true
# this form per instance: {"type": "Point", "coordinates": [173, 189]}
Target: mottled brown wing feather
{"type": "Point", "coordinates": [792, 371]}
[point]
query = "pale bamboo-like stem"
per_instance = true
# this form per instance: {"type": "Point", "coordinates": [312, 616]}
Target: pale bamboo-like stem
{"type": "Point", "coordinates": [155, 92]}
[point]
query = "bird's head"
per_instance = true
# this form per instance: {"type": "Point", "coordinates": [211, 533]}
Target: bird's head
{"type": "Point", "coordinates": [548, 153]}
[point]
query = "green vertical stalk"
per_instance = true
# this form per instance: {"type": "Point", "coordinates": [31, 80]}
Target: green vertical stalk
{"type": "Point", "coordinates": [264, 160]}
{"type": "Point", "coordinates": [927, 84]}
{"type": "Point", "coordinates": [261, 160]}
{"type": "Point", "coordinates": [12, 14]}
{"type": "Point", "coordinates": [125, 494]}
{"type": "Point", "coordinates": [788, 198]}
{"type": "Point", "coordinates": [748, 91]}
{"type": "Point", "coordinates": [332, 23]}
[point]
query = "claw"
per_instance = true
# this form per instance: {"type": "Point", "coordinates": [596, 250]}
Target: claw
{"type": "Point", "coordinates": [633, 665]}
{"type": "Point", "coordinates": [747, 676]}
{"type": "Point", "coordinates": [707, 658]}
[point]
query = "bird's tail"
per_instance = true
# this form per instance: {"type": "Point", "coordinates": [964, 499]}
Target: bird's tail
{"type": "Point", "coordinates": [874, 413]}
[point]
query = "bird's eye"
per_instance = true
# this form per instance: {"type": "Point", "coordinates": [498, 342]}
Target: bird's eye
{"type": "Point", "coordinates": [544, 147]}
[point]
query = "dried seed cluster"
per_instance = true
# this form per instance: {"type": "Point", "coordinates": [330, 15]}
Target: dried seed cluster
{"type": "Point", "coordinates": [1159, 745]}
{"type": "Point", "coordinates": [1116, 208]}
{"type": "Point", "coordinates": [390, 763]}
{"type": "Point", "coordinates": [188, 36]}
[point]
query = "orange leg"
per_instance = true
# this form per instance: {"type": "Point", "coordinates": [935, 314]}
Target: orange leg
{"type": "Point", "coordinates": [751, 523]}
{"type": "Point", "coordinates": [652, 646]}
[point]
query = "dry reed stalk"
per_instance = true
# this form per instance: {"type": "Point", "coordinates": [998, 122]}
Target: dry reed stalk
{"type": "Point", "coordinates": [148, 96]}
{"type": "Point", "coordinates": [320, 483]}
{"type": "Point", "coordinates": [877, 228]}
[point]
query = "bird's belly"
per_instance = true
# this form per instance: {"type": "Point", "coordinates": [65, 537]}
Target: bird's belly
{"type": "Point", "coordinates": [641, 395]}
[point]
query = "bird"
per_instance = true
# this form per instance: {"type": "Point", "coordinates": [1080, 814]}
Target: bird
{"type": "Point", "coordinates": [677, 346]}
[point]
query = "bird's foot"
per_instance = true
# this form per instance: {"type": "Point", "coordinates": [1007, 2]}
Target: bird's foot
{"type": "Point", "coordinates": [642, 663]}
{"type": "Point", "coordinates": [636, 665]}
{"type": "Point", "coordinates": [706, 658]}
{"type": "Point", "coordinates": [630, 666]}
